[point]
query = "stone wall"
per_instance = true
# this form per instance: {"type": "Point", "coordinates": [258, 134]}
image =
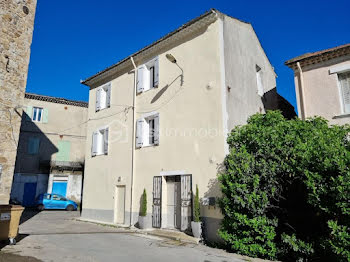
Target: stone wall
{"type": "Point", "coordinates": [16, 30]}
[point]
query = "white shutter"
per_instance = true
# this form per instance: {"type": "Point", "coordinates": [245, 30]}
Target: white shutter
{"type": "Point", "coordinates": [345, 86]}
{"type": "Point", "coordinates": [94, 144]}
{"type": "Point", "coordinates": [105, 141]}
{"type": "Point", "coordinates": [98, 99]}
{"type": "Point", "coordinates": [139, 133]}
{"type": "Point", "coordinates": [156, 130]}
{"type": "Point", "coordinates": [156, 71]}
{"type": "Point", "coordinates": [108, 95]}
{"type": "Point", "coordinates": [140, 79]}
{"type": "Point", "coordinates": [259, 83]}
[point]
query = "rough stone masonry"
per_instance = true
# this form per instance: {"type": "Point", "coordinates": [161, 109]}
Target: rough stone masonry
{"type": "Point", "coordinates": [16, 30]}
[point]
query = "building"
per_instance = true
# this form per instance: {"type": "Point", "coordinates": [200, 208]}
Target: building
{"type": "Point", "coordinates": [51, 149]}
{"type": "Point", "coordinates": [322, 84]}
{"type": "Point", "coordinates": [158, 120]}
{"type": "Point", "coordinates": [16, 23]}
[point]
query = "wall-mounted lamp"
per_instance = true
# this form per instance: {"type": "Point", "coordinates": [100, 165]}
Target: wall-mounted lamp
{"type": "Point", "coordinates": [172, 59]}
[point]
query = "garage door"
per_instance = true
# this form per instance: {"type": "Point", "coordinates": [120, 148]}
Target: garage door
{"type": "Point", "coordinates": [59, 187]}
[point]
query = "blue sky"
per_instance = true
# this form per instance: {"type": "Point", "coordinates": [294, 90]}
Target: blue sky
{"type": "Point", "coordinates": [75, 39]}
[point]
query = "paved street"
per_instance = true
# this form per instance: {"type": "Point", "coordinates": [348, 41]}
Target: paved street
{"type": "Point", "coordinates": [56, 236]}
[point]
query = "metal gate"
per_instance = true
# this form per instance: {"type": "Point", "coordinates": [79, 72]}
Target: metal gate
{"type": "Point", "coordinates": [157, 202]}
{"type": "Point", "coordinates": [186, 202]}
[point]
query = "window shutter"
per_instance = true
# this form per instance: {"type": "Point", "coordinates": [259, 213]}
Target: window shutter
{"type": "Point", "coordinates": [105, 141]}
{"type": "Point", "coordinates": [156, 71]}
{"type": "Point", "coordinates": [94, 144]}
{"type": "Point", "coordinates": [140, 79]}
{"type": "Point", "coordinates": [45, 115]}
{"type": "Point", "coordinates": [156, 129]}
{"type": "Point", "coordinates": [29, 113]}
{"type": "Point", "coordinates": [98, 99]}
{"type": "Point", "coordinates": [108, 95]}
{"type": "Point", "coordinates": [139, 132]}
{"type": "Point", "coordinates": [345, 85]}
{"type": "Point", "coordinates": [260, 83]}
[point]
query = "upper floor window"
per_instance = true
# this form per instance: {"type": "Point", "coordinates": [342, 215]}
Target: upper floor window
{"type": "Point", "coordinates": [33, 145]}
{"type": "Point", "coordinates": [100, 142]}
{"type": "Point", "coordinates": [259, 81]}
{"type": "Point", "coordinates": [103, 97]}
{"type": "Point", "coordinates": [37, 114]}
{"type": "Point", "coordinates": [147, 131]}
{"type": "Point", "coordinates": [344, 80]}
{"type": "Point", "coordinates": [148, 75]}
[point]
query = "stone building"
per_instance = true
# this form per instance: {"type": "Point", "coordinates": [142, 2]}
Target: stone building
{"type": "Point", "coordinates": [51, 149]}
{"type": "Point", "coordinates": [16, 29]}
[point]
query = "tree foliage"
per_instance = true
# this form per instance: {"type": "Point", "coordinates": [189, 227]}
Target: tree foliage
{"type": "Point", "coordinates": [143, 211]}
{"type": "Point", "coordinates": [286, 189]}
{"type": "Point", "coordinates": [197, 210]}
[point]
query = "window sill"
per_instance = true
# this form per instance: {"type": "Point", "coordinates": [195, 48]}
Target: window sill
{"type": "Point", "coordinates": [342, 116]}
{"type": "Point", "coordinates": [96, 111]}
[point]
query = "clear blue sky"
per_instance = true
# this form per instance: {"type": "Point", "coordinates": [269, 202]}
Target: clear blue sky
{"type": "Point", "coordinates": [75, 39]}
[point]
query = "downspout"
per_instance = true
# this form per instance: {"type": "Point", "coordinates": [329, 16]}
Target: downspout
{"type": "Point", "coordinates": [133, 138]}
{"type": "Point", "coordinates": [302, 97]}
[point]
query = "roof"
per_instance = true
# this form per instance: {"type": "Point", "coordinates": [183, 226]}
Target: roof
{"type": "Point", "coordinates": [187, 28]}
{"type": "Point", "coordinates": [57, 100]}
{"type": "Point", "coordinates": [319, 56]}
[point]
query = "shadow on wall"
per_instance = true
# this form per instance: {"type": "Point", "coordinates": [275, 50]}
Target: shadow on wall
{"type": "Point", "coordinates": [32, 166]}
{"type": "Point", "coordinates": [274, 101]}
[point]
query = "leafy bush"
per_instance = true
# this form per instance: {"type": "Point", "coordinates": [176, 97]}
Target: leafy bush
{"type": "Point", "coordinates": [143, 211]}
{"type": "Point", "coordinates": [286, 189]}
{"type": "Point", "coordinates": [196, 207]}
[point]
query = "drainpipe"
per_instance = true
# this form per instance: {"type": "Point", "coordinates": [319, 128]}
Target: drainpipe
{"type": "Point", "coordinates": [133, 138]}
{"type": "Point", "coordinates": [302, 97]}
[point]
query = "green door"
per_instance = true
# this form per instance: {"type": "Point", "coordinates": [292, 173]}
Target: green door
{"type": "Point", "coordinates": [63, 153]}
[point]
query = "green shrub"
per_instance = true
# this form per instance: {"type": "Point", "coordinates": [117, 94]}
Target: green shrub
{"type": "Point", "coordinates": [197, 210]}
{"type": "Point", "coordinates": [143, 211]}
{"type": "Point", "coordinates": [286, 189]}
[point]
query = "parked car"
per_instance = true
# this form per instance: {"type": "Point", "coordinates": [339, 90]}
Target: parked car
{"type": "Point", "coordinates": [55, 201]}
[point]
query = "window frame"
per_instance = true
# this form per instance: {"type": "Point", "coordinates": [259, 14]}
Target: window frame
{"type": "Point", "coordinates": [41, 110]}
{"type": "Point", "coordinates": [148, 120]}
{"type": "Point", "coordinates": [100, 146]}
{"type": "Point", "coordinates": [103, 99]}
{"type": "Point", "coordinates": [341, 93]}
{"type": "Point", "coordinates": [259, 80]}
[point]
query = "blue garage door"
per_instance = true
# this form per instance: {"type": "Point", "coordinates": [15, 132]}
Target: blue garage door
{"type": "Point", "coordinates": [29, 194]}
{"type": "Point", "coordinates": [59, 187]}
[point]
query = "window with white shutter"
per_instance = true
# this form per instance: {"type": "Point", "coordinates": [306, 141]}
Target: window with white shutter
{"type": "Point", "coordinates": [344, 80]}
{"type": "Point", "coordinates": [259, 81]}
{"type": "Point", "coordinates": [147, 131]}
{"type": "Point", "coordinates": [103, 97]}
{"type": "Point", "coordinates": [100, 142]}
{"type": "Point", "coordinates": [148, 75]}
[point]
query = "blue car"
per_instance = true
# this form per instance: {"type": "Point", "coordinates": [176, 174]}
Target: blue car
{"type": "Point", "coordinates": [55, 201]}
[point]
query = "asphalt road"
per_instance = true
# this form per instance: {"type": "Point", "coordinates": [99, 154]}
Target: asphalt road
{"type": "Point", "coordinates": [56, 236]}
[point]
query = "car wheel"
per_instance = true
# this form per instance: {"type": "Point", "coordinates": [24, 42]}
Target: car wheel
{"type": "Point", "coordinates": [40, 207]}
{"type": "Point", "coordinates": [70, 208]}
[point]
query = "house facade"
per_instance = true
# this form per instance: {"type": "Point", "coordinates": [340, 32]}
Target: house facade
{"type": "Point", "coordinates": [16, 23]}
{"type": "Point", "coordinates": [159, 119]}
{"type": "Point", "coordinates": [51, 149]}
{"type": "Point", "coordinates": [322, 84]}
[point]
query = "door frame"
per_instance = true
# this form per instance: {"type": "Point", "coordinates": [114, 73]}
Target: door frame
{"type": "Point", "coordinates": [116, 208]}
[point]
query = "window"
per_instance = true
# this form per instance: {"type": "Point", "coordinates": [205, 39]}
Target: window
{"type": "Point", "coordinates": [103, 97]}
{"type": "Point", "coordinates": [147, 131]}
{"type": "Point", "coordinates": [33, 145]}
{"type": "Point", "coordinates": [259, 80]}
{"type": "Point", "coordinates": [37, 114]}
{"type": "Point", "coordinates": [100, 142]}
{"type": "Point", "coordinates": [148, 75]}
{"type": "Point", "coordinates": [344, 81]}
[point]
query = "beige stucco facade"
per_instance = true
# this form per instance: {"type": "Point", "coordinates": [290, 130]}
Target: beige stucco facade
{"type": "Point", "coordinates": [194, 118]}
{"type": "Point", "coordinates": [322, 94]}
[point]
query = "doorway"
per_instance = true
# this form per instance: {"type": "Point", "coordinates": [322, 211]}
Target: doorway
{"type": "Point", "coordinates": [174, 202]}
{"type": "Point", "coordinates": [119, 205]}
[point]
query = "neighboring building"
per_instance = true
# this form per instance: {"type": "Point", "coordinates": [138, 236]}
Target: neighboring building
{"type": "Point", "coordinates": [51, 150]}
{"type": "Point", "coordinates": [16, 23]}
{"type": "Point", "coordinates": [322, 84]}
{"type": "Point", "coordinates": [193, 86]}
